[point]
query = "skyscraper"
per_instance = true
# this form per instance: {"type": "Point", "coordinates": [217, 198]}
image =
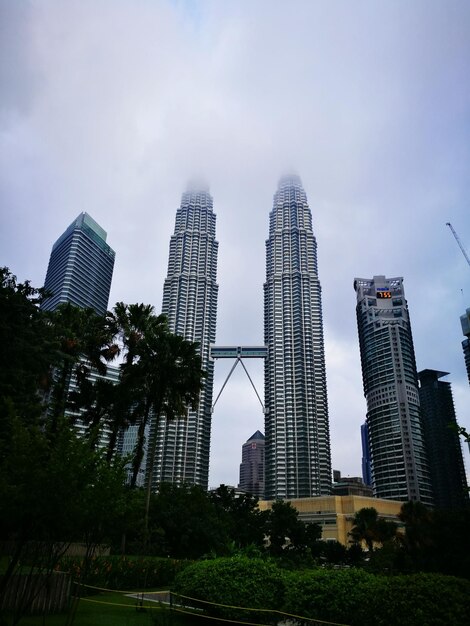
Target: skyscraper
{"type": "Point", "coordinates": [399, 465]}
{"type": "Point", "coordinates": [80, 272]}
{"type": "Point", "coordinates": [442, 441]}
{"type": "Point", "coordinates": [190, 303]}
{"type": "Point", "coordinates": [465, 321]}
{"type": "Point", "coordinates": [80, 267]}
{"type": "Point", "coordinates": [252, 465]}
{"type": "Point", "coordinates": [298, 462]}
{"type": "Point", "coordinates": [366, 477]}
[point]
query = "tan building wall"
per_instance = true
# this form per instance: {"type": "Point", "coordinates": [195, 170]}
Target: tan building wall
{"type": "Point", "coordinates": [335, 513]}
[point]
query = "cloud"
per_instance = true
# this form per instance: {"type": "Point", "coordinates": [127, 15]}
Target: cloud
{"type": "Point", "coordinates": [112, 107]}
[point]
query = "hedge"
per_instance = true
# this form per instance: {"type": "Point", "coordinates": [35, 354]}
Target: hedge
{"type": "Point", "coordinates": [123, 572]}
{"type": "Point", "coordinates": [346, 596]}
{"type": "Point", "coordinates": [358, 598]}
{"type": "Point", "coordinates": [238, 582]}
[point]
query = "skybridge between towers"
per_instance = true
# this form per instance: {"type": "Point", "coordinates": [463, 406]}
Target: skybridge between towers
{"type": "Point", "coordinates": [238, 353]}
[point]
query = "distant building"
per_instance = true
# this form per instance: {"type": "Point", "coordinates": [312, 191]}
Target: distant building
{"type": "Point", "coordinates": [112, 375]}
{"type": "Point", "coordinates": [399, 467]}
{"type": "Point", "coordinates": [350, 486]}
{"type": "Point", "coordinates": [366, 474]}
{"type": "Point", "coordinates": [126, 444]}
{"type": "Point", "coordinates": [298, 461]}
{"type": "Point", "coordinates": [252, 465]}
{"type": "Point", "coordinates": [442, 441]}
{"type": "Point", "coordinates": [465, 321]}
{"type": "Point", "coordinates": [335, 514]}
{"type": "Point", "coordinates": [80, 267]}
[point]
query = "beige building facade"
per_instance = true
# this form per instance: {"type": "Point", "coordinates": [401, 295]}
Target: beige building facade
{"type": "Point", "coordinates": [335, 514]}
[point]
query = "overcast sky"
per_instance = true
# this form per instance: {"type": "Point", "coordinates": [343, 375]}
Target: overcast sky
{"type": "Point", "coordinates": [110, 107]}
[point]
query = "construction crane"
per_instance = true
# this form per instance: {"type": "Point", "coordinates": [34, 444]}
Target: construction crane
{"type": "Point", "coordinates": [458, 241]}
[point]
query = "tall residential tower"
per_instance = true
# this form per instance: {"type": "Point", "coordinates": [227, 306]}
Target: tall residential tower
{"type": "Point", "coordinates": [442, 440]}
{"type": "Point", "coordinates": [298, 462]}
{"type": "Point", "coordinates": [80, 267]}
{"type": "Point", "coordinates": [398, 460]}
{"type": "Point", "coordinates": [190, 303]}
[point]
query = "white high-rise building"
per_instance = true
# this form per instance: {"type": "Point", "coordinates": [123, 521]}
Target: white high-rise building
{"type": "Point", "coordinates": [398, 462]}
{"type": "Point", "coordinates": [190, 303]}
{"type": "Point", "coordinates": [297, 450]}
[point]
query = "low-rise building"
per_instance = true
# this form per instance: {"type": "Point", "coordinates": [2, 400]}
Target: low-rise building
{"type": "Point", "coordinates": [335, 514]}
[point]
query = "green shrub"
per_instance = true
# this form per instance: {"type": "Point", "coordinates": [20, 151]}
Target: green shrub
{"type": "Point", "coordinates": [123, 572]}
{"type": "Point", "coordinates": [358, 598]}
{"type": "Point", "coordinates": [328, 594]}
{"type": "Point", "coordinates": [237, 582]}
{"type": "Point", "coordinates": [421, 600]}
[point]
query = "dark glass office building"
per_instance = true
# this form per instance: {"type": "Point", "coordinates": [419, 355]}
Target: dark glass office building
{"type": "Point", "coordinates": [465, 321]}
{"type": "Point", "coordinates": [446, 465]}
{"type": "Point", "coordinates": [398, 461]}
{"type": "Point", "coordinates": [297, 450]}
{"type": "Point", "coordinates": [80, 267]}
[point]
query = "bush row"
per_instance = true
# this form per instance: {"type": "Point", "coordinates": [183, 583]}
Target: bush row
{"type": "Point", "coordinates": [346, 596]}
{"type": "Point", "coordinates": [120, 572]}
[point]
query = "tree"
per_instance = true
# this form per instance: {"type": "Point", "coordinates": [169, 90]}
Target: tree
{"type": "Point", "coordinates": [245, 524]}
{"type": "Point", "coordinates": [86, 342]}
{"type": "Point", "coordinates": [161, 377]}
{"type": "Point", "coordinates": [368, 527]}
{"type": "Point", "coordinates": [418, 521]}
{"type": "Point", "coordinates": [28, 349]}
{"type": "Point", "coordinates": [54, 491]}
{"type": "Point", "coordinates": [284, 528]}
{"type": "Point", "coordinates": [184, 523]}
{"type": "Point", "coordinates": [170, 369]}
{"type": "Point", "coordinates": [134, 325]}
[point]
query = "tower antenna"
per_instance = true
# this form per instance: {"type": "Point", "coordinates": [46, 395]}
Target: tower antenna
{"type": "Point", "coordinates": [458, 241]}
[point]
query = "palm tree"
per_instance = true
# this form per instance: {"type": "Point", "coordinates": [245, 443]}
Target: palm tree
{"type": "Point", "coordinates": [134, 325]}
{"type": "Point", "coordinates": [170, 369]}
{"type": "Point", "coordinates": [161, 375]}
{"type": "Point", "coordinates": [418, 520]}
{"type": "Point", "coordinates": [366, 527]}
{"type": "Point", "coordinates": [131, 322]}
{"type": "Point", "coordinates": [85, 341]}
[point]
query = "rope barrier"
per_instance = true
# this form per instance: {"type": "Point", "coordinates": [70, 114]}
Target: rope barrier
{"type": "Point", "coordinates": [244, 608]}
{"type": "Point", "coordinates": [139, 595]}
{"type": "Point", "coordinates": [118, 590]}
{"type": "Point", "coordinates": [127, 606]}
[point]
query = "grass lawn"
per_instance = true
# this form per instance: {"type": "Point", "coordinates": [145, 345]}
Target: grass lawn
{"type": "Point", "coordinates": [107, 609]}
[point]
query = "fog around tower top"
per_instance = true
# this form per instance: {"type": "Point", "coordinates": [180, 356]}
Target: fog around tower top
{"type": "Point", "coordinates": [110, 108]}
{"type": "Point", "coordinates": [197, 185]}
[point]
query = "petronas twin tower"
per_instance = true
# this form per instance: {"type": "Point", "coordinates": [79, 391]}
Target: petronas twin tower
{"type": "Point", "coordinates": [298, 460]}
{"type": "Point", "coordinates": [298, 463]}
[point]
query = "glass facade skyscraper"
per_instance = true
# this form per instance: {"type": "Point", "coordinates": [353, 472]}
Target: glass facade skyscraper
{"type": "Point", "coordinates": [80, 272]}
{"type": "Point", "coordinates": [80, 267]}
{"type": "Point", "coordinates": [399, 467]}
{"type": "Point", "coordinates": [297, 449]}
{"type": "Point", "coordinates": [465, 322]}
{"type": "Point", "coordinates": [190, 303]}
{"type": "Point", "coordinates": [442, 441]}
